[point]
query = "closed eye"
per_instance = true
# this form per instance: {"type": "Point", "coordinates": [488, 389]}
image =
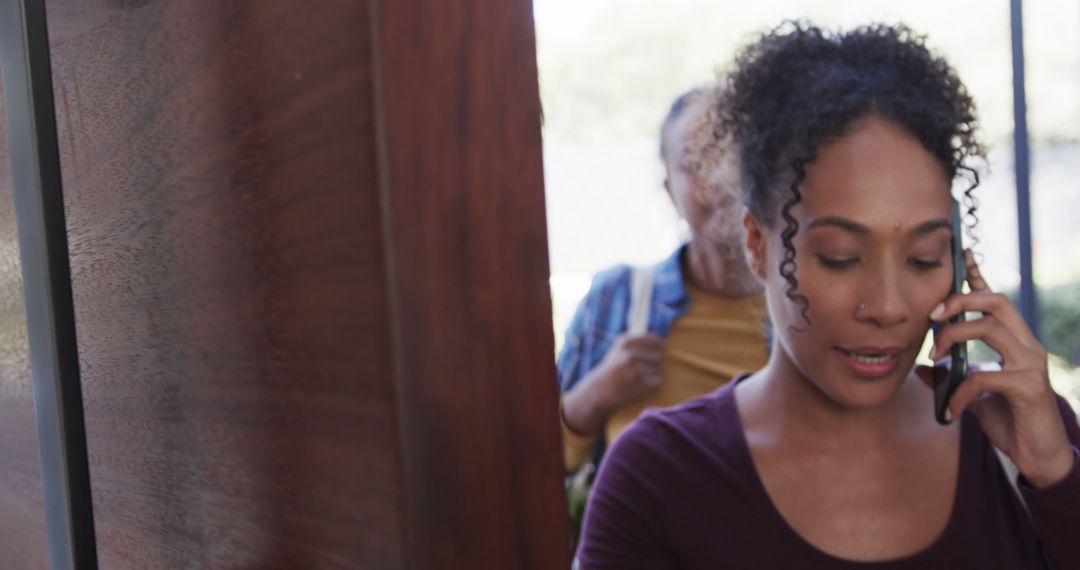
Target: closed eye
{"type": "Point", "coordinates": [837, 263]}
{"type": "Point", "coordinates": [925, 264]}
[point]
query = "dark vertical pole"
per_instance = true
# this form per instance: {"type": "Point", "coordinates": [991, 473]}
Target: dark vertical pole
{"type": "Point", "coordinates": [50, 318]}
{"type": "Point", "coordinates": [1028, 307]}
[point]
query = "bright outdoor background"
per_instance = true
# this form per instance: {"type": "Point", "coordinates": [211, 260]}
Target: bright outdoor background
{"type": "Point", "coordinates": [609, 70]}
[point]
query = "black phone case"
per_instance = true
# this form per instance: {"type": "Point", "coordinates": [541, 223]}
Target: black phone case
{"type": "Point", "coordinates": [951, 370]}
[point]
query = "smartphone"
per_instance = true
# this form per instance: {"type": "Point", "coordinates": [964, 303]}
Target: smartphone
{"type": "Point", "coordinates": [951, 369]}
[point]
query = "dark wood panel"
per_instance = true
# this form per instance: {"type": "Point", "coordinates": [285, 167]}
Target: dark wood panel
{"type": "Point", "coordinates": [228, 271]}
{"type": "Point", "coordinates": [469, 242]}
{"type": "Point", "coordinates": [23, 541]}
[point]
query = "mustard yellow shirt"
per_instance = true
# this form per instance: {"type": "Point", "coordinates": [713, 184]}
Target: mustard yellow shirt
{"type": "Point", "coordinates": [717, 339]}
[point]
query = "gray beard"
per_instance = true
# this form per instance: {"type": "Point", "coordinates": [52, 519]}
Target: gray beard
{"type": "Point", "coordinates": [737, 280]}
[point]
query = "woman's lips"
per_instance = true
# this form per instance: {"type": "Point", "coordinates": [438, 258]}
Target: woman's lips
{"type": "Point", "coordinates": [870, 362]}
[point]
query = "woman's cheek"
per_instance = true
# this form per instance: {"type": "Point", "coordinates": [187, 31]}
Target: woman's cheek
{"type": "Point", "coordinates": [829, 290]}
{"type": "Point", "coordinates": [925, 292]}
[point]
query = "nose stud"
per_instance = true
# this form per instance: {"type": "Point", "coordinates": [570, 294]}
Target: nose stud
{"type": "Point", "coordinates": [862, 306]}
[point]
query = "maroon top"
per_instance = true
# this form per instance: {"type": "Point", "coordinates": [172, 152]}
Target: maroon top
{"type": "Point", "coordinates": [679, 489]}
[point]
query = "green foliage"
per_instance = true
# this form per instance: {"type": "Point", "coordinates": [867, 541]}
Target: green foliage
{"type": "Point", "coordinates": [1059, 314]}
{"type": "Point", "coordinates": [1059, 309]}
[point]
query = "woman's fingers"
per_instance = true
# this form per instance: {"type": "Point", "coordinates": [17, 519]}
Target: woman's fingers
{"type": "Point", "coordinates": [1015, 386]}
{"type": "Point", "coordinates": [1018, 412]}
{"type": "Point", "coordinates": [995, 304]}
{"type": "Point", "coordinates": [974, 275]}
{"type": "Point", "coordinates": [989, 330]}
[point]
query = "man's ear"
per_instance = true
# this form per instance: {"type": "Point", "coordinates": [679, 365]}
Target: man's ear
{"type": "Point", "coordinates": [756, 245]}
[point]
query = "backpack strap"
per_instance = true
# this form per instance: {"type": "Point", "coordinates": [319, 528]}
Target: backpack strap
{"type": "Point", "coordinates": [637, 322]}
{"type": "Point", "coordinates": [641, 288]}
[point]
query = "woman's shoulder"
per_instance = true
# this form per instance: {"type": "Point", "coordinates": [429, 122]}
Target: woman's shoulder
{"type": "Point", "coordinates": [670, 473]}
{"type": "Point", "coordinates": [705, 428]}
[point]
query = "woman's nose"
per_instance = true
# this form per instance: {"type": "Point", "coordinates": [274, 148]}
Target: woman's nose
{"type": "Point", "coordinates": [884, 303]}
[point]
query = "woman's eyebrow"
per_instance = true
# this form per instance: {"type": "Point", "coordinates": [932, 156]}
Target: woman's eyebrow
{"type": "Point", "coordinates": [852, 226]}
{"type": "Point", "coordinates": [931, 226]}
{"type": "Point", "coordinates": [843, 223]}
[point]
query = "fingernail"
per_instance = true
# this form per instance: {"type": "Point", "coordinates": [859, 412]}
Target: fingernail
{"type": "Point", "coordinates": [933, 351]}
{"type": "Point", "coordinates": [948, 415]}
{"type": "Point", "coordinates": [937, 312]}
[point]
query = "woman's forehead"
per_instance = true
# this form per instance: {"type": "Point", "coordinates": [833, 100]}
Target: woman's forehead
{"type": "Point", "coordinates": [879, 174]}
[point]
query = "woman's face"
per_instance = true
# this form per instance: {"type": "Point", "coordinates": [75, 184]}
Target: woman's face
{"type": "Point", "coordinates": [873, 259]}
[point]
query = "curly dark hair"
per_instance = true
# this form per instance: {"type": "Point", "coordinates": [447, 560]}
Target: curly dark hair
{"type": "Point", "coordinates": [798, 87]}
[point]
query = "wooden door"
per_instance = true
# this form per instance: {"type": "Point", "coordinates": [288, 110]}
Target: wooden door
{"type": "Point", "coordinates": [309, 266]}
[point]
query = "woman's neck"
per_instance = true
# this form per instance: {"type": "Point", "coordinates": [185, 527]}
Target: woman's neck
{"type": "Point", "coordinates": [719, 269]}
{"type": "Point", "coordinates": [780, 404]}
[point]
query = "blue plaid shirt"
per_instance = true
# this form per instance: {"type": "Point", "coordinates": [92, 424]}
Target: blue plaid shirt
{"type": "Point", "coordinates": [601, 315]}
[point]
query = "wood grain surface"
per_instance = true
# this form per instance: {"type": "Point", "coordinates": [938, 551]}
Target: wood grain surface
{"type": "Point", "coordinates": [468, 237]}
{"type": "Point", "coordinates": [23, 543]}
{"type": "Point", "coordinates": [228, 272]}
{"type": "Point", "coordinates": [309, 260]}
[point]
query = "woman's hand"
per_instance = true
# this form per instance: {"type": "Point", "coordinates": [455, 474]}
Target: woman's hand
{"type": "Point", "coordinates": [1015, 406]}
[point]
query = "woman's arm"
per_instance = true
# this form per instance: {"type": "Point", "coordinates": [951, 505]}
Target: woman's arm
{"type": "Point", "coordinates": [1020, 413]}
{"type": "Point", "coordinates": [1055, 510]}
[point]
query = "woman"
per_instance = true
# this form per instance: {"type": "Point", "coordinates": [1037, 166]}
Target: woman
{"type": "Point", "coordinates": [706, 312]}
{"type": "Point", "coordinates": [830, 456]}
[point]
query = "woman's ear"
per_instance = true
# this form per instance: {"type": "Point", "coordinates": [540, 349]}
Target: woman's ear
{"type": "Point", "coordinates": [755, 245]}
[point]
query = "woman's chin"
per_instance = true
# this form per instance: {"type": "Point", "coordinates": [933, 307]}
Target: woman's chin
{"type": "Point", "coordinates": [862, 394]}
